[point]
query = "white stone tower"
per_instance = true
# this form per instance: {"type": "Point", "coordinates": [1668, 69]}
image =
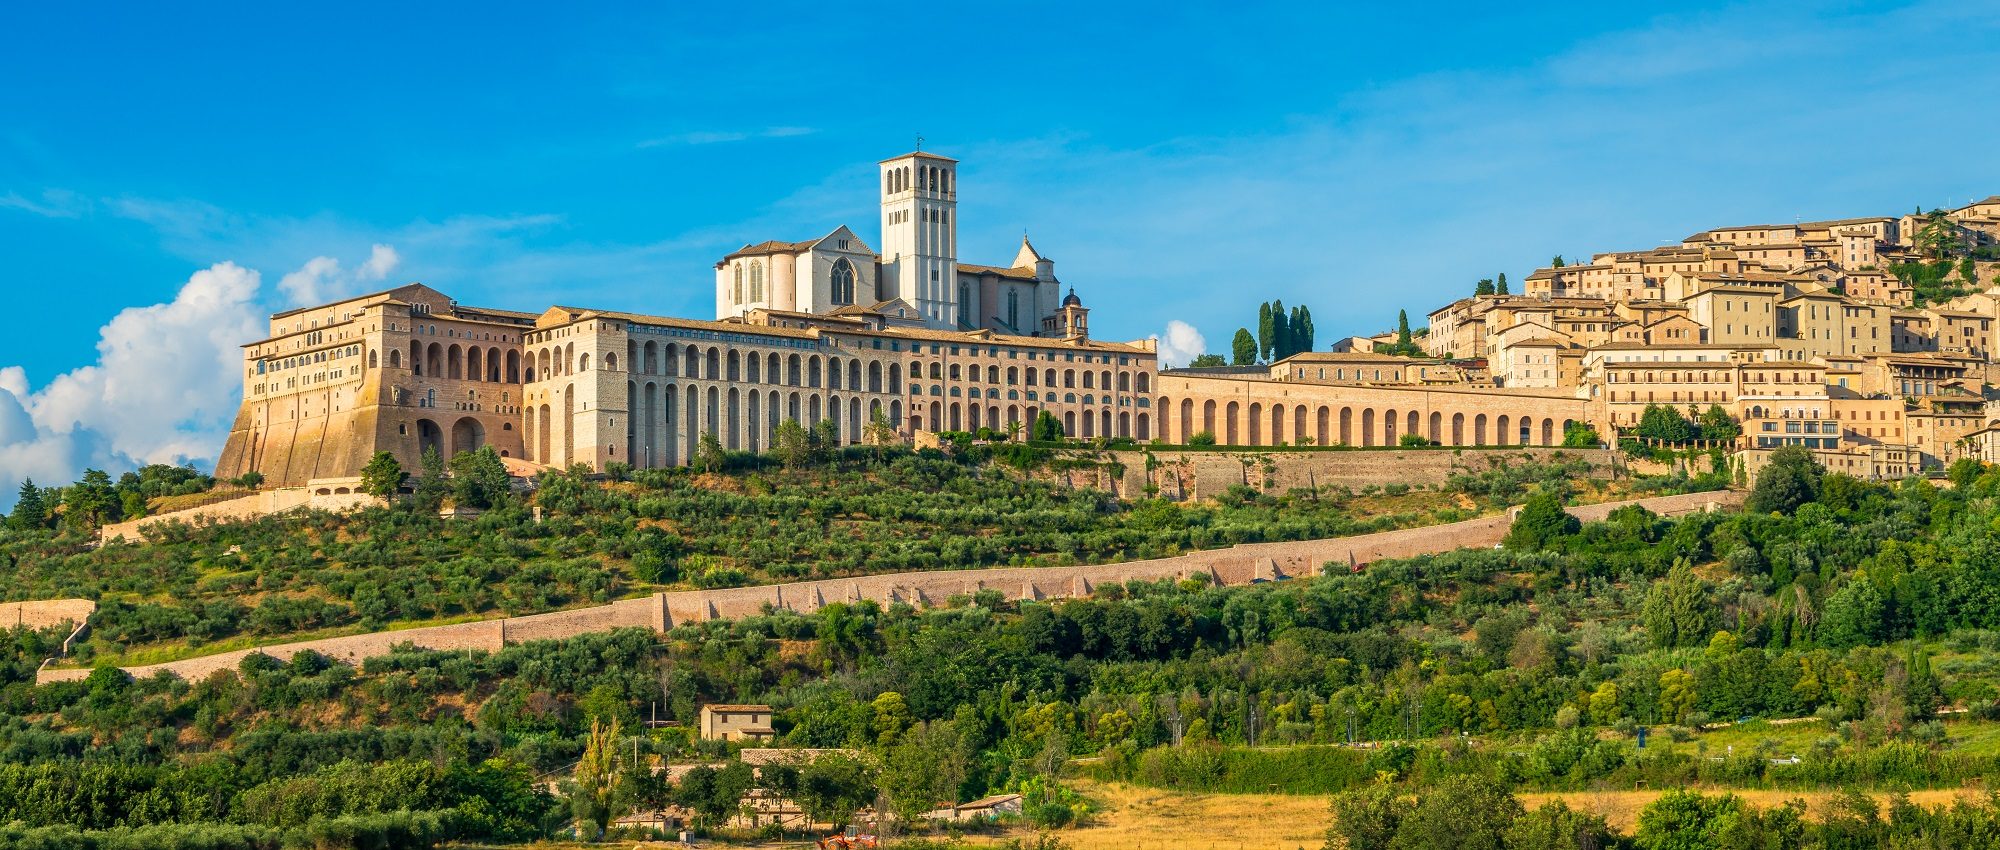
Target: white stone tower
{"type": "Point", "coordinates": [920, 235]}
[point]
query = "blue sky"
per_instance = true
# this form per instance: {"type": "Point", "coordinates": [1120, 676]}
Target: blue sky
{"type": "Point", "coordinates": [1179, 162]}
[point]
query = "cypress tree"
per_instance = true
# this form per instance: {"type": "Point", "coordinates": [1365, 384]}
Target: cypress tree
{"type": "Point", "coordinates": [1500, 285]}
{"type": "Point", "coordinates": [1303, 329]}
{"type": "Point", "coordinates": [1281, 332]}
{"type": "Point", "coordinates": [1266, 330]}
{"type": "Point", "coordinates": [1403, 329]}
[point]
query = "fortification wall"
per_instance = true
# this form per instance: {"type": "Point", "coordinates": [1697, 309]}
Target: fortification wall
{"type": "Point", "coordinates": [1195, 475]}
{"type": "Point", "coordinates": [1237, 565]}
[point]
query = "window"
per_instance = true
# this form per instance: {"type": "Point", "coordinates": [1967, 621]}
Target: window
{"type": "Point", "coordinates": [756, 281]}
{"type": "Point", "coordinates": [843, 282]}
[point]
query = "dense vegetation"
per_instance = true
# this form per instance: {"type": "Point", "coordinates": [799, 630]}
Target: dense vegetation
{"type": "Point", "coordinates": [1862, 611]}
{"type": "Point", "coordinates": [869, 511]}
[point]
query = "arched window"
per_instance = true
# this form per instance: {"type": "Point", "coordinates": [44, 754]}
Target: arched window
{"type": "Point", "coordinates": [583, 363]}
{"type": "Point", "coordinates": [1014, 309]}
{"type": "Point", "coordinates": [965, 305]}
{"type": "Point", "coordinates": [756, 281]}
{"type": "Point", "coordinates": [843, 282]}
{"type": "Point", "coordinates": [739, 285]}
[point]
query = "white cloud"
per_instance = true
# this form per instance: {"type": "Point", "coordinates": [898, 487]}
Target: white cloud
{"type": "Point", "coordinates": [163, 389]}
{"type": "Point", "coordinates": [322, 279]}
{"type": "Point", "coordinates": [1180, 344]}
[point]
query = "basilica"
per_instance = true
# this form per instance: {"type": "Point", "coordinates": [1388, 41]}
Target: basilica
{"type": "Point", "coordinates": [915, 277]}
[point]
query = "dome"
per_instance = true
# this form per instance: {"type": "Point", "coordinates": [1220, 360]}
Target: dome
{"type": "Point", "coordinates": [1071, 300]}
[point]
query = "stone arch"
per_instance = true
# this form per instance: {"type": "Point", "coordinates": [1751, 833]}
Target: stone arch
{"type": "Point", "coordinates": [434, 360]}
{"type": "Point", "coordinates": [1410, 425]}
{"type": "Point", "coordinates": [1069, 423]}
{"type": "Point", "coordinates": [1390, 425]}
{"type": "Point", "coordinates": [429, 436]}
{"type": "Point", "coordinates": [467, 434]}
{"type": "Point", "coordinates": [1229, 421]}
{"type": "Point", "coordinates": [454, 362]}
{"type": "Point", "coordinates": [1322, 427]}
{"type": "Point", "coordinates": [1208, 417]}
{"type": "Point", "coordinates": [1256, 424]}
{"type": "Point", "coordinates": [1479, 430]}
{"type": "Point", "coordinates": [1145, 427]}
{"type": "Point", "coordinates": [1347, 426]}
{"type": "Point", "coordinates": [513, 367]}
{"type": "Point", "coordinates": [1458, 429]}
{"type": "Point", "coordinates": [371, 359]}
{"type": "Point", "coordinates": [1436, 434]}
{"type": "Point", "coordinates": [475, 364]}
{"type": "Point", "coordinates": [396, 358]}
{"type": "Point", "coordinates": [1500, 429]}
{"type": "Point", "coordinates": [1548, 432]}
{"type": "Point", "coordinates": [1367, 426]}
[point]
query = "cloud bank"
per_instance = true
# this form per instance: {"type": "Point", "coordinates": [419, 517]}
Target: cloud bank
{"type": "Point", "coordinates": [164, 387]}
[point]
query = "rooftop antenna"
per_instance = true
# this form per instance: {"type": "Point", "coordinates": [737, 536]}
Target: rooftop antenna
{"type": "Point", "coordinates": [920, 142]}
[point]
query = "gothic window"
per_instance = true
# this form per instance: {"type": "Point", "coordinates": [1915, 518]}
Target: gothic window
{"type": "Point", "coordinates": [965, 305]}
{"type": "Point", "coordinates": [843, 282]}
{"type": "Point", "coordinates": [1014, 308]}
{"type": "Point", "coordinates": [739, 284]}
{"type": "Point", "coordinates": [756, 281]}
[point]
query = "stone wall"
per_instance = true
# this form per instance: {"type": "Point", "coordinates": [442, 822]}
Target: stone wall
{"type": "Point", "coordinates": [247, 507]}
{"type": "Point", "coordinates": [1197, 475]}
{"type": "Point", "coordinates": [45, 613]}
{"type": "Point", "coordinates": [1237, 565]}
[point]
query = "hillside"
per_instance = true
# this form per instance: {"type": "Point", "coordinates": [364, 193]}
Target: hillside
{"type": "Point", "coordinates": [1858, 614]}
{"type": "Point", "coordinates": [314, 574]}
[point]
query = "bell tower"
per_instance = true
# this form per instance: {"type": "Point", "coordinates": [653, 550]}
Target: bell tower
{"type": "Point", "coordinates": [920, 235]}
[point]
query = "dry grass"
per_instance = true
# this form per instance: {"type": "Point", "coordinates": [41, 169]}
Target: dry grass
{"type": "Point", "coordinates": [1135, 818]}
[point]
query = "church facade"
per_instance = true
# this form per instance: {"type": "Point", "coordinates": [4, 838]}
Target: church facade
{"type": "Point", "coordinates": [915, 275]}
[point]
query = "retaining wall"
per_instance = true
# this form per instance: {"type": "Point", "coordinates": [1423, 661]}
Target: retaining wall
{"type": "Point", "coordinates": [249, 506]}
{"type": "Point", "coordinates": [1237, 565]}
{"type": "Point", "coordinates": [1201, 474]}
{"type": "Point", "coordinates": [44, 613]}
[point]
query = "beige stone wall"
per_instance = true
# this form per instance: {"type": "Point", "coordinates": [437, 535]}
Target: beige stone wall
{"type": "Point", "coordinates": [1195, 475]}
{"type": "Point", "coordinates": [1237, 565]}
{"type": "Point", "coordinates": [248, 507]}
{"type": "Point", "coordinates": [42, 614]}
{"type": "Point", "coordinates": [1248, 412]}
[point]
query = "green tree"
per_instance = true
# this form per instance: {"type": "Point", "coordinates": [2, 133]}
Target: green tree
{"type": "Point", "coordinates": [1243, 348]}
{"type": "Point", "coordinates": [1717, 425]}
{"type": "Point", "coordinates": [1402, 328]}
{"type": "Point", "coordinates": [1484, 287]}
{"type": "Point", "coordinates": [1556, 826]}
{"type": "Point", "coordinates": [479, 478]}
{"type": "Point", "coordinates": [1939, 235]}
{"type": "Point", "coordinates": [708, 453]}
{"type": "Point", "coordinates": [1665, 424]}
{"type": "Point", "coordinates": [1201, 361]}
{"type": "Point", "coordinates": [791, 445]}
{"type": "Point", "coordinates": [1964, 471]}
{"type": "Point", "coordinates": [1687, 820]}
{"type": "Point", "coordinates": [92, 501]}
{"type": "Point", "coordinates": [1463, 812]}
{"type": "Point", "coordinates": [1853, 615]}
{"type": "Point", "coordinates": [1557, 262]}
{"type": "Point", "coordinates": [30, 510]}
{"type": "Point", "coordinates": [1580, 435]}
{"type": "Point", "coordinates": [1047, 428]}
{"type": "Point", "coordinates": [1281, 332]}
{"type": "Point", "coordinates": [924, 769]}
{"type": "Point", "coordinates": [431, 483]}
{"type": "Point", "coordinates": [1367, 818]}
{"type": "Point", "coordinates": [1500, 284]}
{"type": "Point", "coordinates": [1267, 332]}
{"type": "Point", "coordinates": [1541, 524]}
{"type": "Point", "coordinates": [1677, 696]}
{"type": "Point", "coordinates": [1677, 611]}
{"type": "Point", "coordinates": [593, 786]}
{"type": "Point", "coordinates": [1202, 438]}
{"type": "Point", "coordinates": [1791, 478]}
{"type": "Point", "coordinates": [383, 476]}
{"type": "Point", "coordinates": [833, 787]}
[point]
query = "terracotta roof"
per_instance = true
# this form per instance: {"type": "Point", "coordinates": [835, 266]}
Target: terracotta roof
{"type": "Point", "coordinates": [1016, 273]}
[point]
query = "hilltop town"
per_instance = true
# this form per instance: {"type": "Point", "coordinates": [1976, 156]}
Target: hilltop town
{"type": "Point", "coordinates": [1868, 341]}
